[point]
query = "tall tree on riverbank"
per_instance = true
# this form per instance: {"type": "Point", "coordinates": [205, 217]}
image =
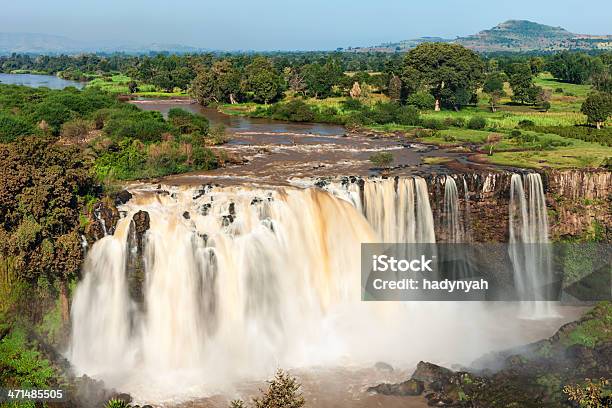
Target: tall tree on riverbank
{"type": "Point", "coordinates": [262, 82]}
{"type": "Point", "coordinates": [219, 83]}
{"type": "Point", "coordinates": [321, 78]}
{"type": "Point", "coordinates": [450, 72]}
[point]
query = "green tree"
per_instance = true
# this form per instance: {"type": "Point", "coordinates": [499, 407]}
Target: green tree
{"type": "Point", "coordinates": [219, 83]}
{"type": "Point", "coordinates": [598, 108]}
{"type": "Point", "coordinates": [321, 78]}
{"type": "Point", "coordinates": [450, 72]}
{"type": "Point", "coordinates": [521, 82]}
{"type": "Point", "coordinates": [494, 87]}
{"type": "Point", "coordinates": [576, 68]}
{"type": "Point", "coordinates": [262, 82]}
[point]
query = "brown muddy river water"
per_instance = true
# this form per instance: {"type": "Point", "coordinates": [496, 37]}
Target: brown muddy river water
{"type": "Point", "coordinates": [275, 151]}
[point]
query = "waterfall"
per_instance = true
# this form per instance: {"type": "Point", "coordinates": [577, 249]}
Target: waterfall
{"type": "Point", "coordinates": [467, 212]}
{"type": "Point", "coordinates": [235, 279]}
{"type": "Point", "coordinates": [399, 210]}
{"type": "Point", "coordinates": [451, 211]}
{"type": "Point", "coordinates": [239, 281]}
{"type": "Point", "coordinates": [529, 249]}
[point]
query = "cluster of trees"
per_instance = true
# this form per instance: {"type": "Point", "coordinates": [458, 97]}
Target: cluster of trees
{"type": "Point", "coordinates": [229, 81]}
{"type": "Point", "coordinates": [128, 142]}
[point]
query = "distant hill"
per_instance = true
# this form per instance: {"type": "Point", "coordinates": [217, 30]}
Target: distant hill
{"type": "Point", "coordinates": [36, 43]}
{"type": "Point", "coordinates": [513, 36]}
{"type": "Point", "coordinates": [522, 35]}
{"type": "Point", "coordinates": [32, 43]}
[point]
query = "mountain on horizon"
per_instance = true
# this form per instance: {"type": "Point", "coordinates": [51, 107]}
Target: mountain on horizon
{"type": "Point", "coordinates": [509, 36]}
{"type": "Point", "coordinates": [512, 36]}
{"type": "Point", "coordinates": [34, 43]}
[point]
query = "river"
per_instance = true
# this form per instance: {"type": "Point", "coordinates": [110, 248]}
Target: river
{"type": "Point", "coordinates": [38, 81]}
{"type": "Point", "coordinates": [273, 152]}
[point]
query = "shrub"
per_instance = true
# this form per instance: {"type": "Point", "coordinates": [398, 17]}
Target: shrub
{"type": "Point", "coordinates": [12, 127]}
{"type": "Point", "coordinates": [76, 130]}
{"type": "Point", "coordinates": [515, 133]}
{"type": "Point", "coordinates": [456, 122]}
{"type": "Point", "coordinates": [409, 116]}
{"type": "Point", "coordinates": [217, 135]}
{"type": "Point", "coordinates": [383, 113]}
{"type": "Point", "coordinates": [53, 113]}
{"type": "Point", "coordinates": [422, 100]}
{"type": "Point", "coordinates": [295, 110]}
{"type": "Point", "coordinates": [435, 124]}
{"type": "Point", "coordinates": [382, 159]}
{"type": "Point", "coordinates": [282, 392]}
{"type": "Point", "coordinates": [477, 123]}
{"type": "Point", "coordinates": [526, 123]}
{"type": "Point", "coordinates": [357, 119]}
{"type": "Point", "coordinates": [187, 122]}
{"type": "Point", "coordinates": [352, 104]}
{"type": "Point", "coordinates": [558, 90]}
{"type": "Point", "coordinates": [116, 403]}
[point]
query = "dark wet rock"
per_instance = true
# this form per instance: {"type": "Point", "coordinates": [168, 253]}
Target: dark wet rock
{"type": "Point", "coordinates": [127, 398]}
{"type": "Point", "coordinates": [86, 392]}
{"type": "Point", "coordinates": [186, 215]}
{"type": "Point", "coordinates": [204, 209]}
{"type": "Point", "coordinates": [227, 220]}
{"type": "Point", "coordinates": [103, 220]}
{"type": "Point", "coordinates": [232, 209]}
{"type": "Point", "coordinates": [430, 373]}
{"type": "Point", "coordinates": [135, 264]}
{"type": "Point", "coordinates": [142, 222]}
{"type": "Point", "coordinates": [407, 388]}
{"type": "Point", "coordinates": [122, 197]}
{"type": "Point", "coordinates": [383, 366]}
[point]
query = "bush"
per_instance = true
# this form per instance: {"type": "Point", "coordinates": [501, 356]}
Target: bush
{"type": "Point", "coordinates": [357, 119]}
{"type": "Point", "coordinates": [422, 100]}
{"type": "Point", "coordinates": [383, 113]}
{"type": "Point", "coordinates": [456, 122]}
{"type": "Point", "coordinates": [217, 135]}
{"type": "Point", "coordinates": [382, 159]}
{"type": "Point", "coordinates": [526, 123]}
{"type": "Point", "coordinates": [12, 127]}
{"type": "Point", "coordinates": [76, 130]}
{"type": "Point", "coordinates": [477, 123]}
{"type": "Point", "coordinates": [435, 124]}
{"type": "Point", "coordinates": [352, 104]}
{"type": "Point", "coordinates": [187, 122]}
{"type": "Point", "coordinates": [282, 392]}
{"type": "Point", "coordinates": [409, 116]}
{"type": "Point", "coordinates": [515, 133]}
{"type": "Point", "coordinates": [295, 110]}
{"type": "Point", "coordinates": [558, 90]}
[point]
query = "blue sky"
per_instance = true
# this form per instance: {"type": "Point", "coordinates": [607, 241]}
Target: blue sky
{"type": "Point", "coordinates": [289, 24]}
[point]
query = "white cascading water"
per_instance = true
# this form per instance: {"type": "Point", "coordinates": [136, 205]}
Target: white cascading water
{"type": "Point", "coordinates": [451, 211]}
{"type": "Point", "coordinates": [239, 281]}
{"type": "Point", "coordinates": [399, 210]}
{"type": "Point", "coordinates": [529, 250]}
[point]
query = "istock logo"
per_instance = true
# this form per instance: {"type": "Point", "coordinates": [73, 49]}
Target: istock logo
{"type": "Point", "coordinates": [384, 263]}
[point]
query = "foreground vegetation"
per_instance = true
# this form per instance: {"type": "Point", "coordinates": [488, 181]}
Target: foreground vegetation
{"type": "Point", "coordinates": [122, 141]}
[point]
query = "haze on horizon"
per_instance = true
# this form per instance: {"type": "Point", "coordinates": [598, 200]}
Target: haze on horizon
{"type": "Point", "coordinates": [288, 25]}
